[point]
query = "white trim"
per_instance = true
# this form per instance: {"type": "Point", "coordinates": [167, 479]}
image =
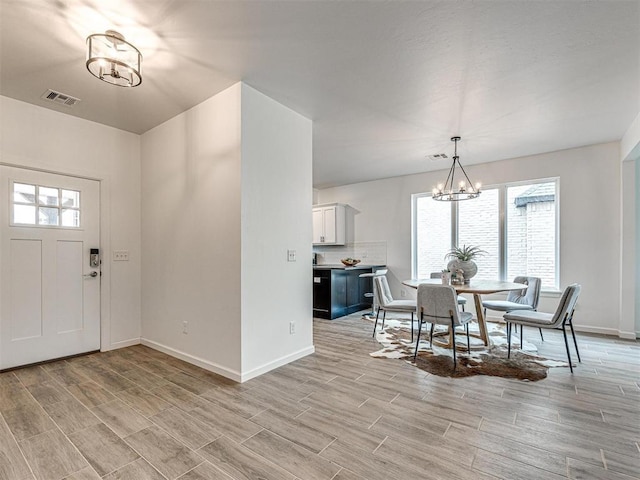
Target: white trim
{"type": "Point", "coordinates": [199, 362]}
{"type": "Point", "coordinates": [225, 372]}
{"type": "Point", "coordinates": [277, 363]}
{"type": "Point", "coordinates": [628, 335]}
{"type": "Point", "coordinates": [585, 329]}
{"type": "Point", "coordinates": [599, 330]}
{"type": "Point", "coordinates": [122, 344]}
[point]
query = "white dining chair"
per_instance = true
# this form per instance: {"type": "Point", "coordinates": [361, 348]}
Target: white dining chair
{"type": "Point", "coordinates": [461, 300]}
{"type": "Point", "coordinates": [558, 320]}
{"type": "Point", "coordinates": [438, 305]}
{"type": "Point", "coordinates": [526, 299]}
{"type": "Point", "coordinates": [387, 303]}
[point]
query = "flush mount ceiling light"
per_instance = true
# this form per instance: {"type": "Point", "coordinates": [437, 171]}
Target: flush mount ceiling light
{"type": "Point", "coordinates": [464, 190]}
{"type": "Point", "coordinates": [114, 60]}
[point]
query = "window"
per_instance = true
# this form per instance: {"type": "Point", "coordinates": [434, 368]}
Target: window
{"type": "Point", "coordinates": [44, 206]}
{"type": "Point", "coordinates": [432, 227]}
{"type": "Point", "coordinates": [516, 224]}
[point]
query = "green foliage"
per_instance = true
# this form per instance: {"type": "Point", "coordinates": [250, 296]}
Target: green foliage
{"type": "Point", "coordinates": [465, 253]}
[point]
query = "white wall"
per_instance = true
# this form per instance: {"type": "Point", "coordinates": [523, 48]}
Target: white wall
{"type": "Point", "coordinates": [226, 190]}
{"type": "Point", "coordinates": [637, 259]}
{"type": "Point", "coordinates": [628, 246]}
{"type": "Point", "coordinates": [191, 234]}
{"type": "Point", "coordinates": [589, 222]}
{"type": "Point", "coordinates": [276, 217]}
{"type": "Point", "coordinates": [39, 138]}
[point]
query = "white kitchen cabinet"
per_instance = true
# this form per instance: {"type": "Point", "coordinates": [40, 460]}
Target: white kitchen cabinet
{"type": "Point", "coordinates": [329, 224]}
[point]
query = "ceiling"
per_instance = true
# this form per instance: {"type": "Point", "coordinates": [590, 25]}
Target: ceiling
{"type": "Point", "coordinates": [385, 83]}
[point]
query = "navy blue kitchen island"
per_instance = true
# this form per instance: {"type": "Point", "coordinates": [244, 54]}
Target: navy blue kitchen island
{"type": "Point", "coordinates": [339, 290]}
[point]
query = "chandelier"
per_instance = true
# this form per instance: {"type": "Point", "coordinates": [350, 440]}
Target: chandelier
{"type": "Point", "coordinates": [464, 189]}
{"type": "Point", "coordinates": [114, 60]}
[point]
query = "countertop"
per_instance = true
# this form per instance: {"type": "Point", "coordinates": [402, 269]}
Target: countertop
{"type": "Point", "coordinates": [340, 266]}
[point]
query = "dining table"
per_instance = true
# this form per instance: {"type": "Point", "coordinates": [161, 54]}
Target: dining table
{"type": "Point", "coordinates": [477, 288]}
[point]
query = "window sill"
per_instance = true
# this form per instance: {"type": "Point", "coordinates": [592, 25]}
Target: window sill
{"type": "Point", "coordinates": [551, 293]}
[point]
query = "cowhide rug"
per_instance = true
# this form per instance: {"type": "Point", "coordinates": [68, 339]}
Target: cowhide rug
{"type": "Point", "coordinates": [524, 363]}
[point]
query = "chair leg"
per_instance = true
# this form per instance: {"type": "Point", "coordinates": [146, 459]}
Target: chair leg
{"type": "Point", "coordinates": [384, 317]}
{"type": "Point", "coordinates": [463, 307]}
{"type": "Point", "coordinates": [466, 326]}
{"type": "Point", "coordinates": [431, 337]}
{"type": "Point", "coordinates": [411, 327]}
{"type": "Point", "coordinates": [521, 337]}
{"type": "Point", "coordinates": [418, 339]}
{"type": "Point", "coordinates": [376, 324]}
{"type": "Point", "coordinates": [453, 337]}
{"type": "Point", "coordinates": [566, 344]}
{"type": "Point", "coordinates": [509, 339]}
{"type": "Point", "coordinates": [573, 334]}
{"type": "Point", "coordinates": [541, 336]}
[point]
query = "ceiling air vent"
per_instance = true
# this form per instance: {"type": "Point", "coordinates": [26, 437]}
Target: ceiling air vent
{"type": "Point", "coordinates": [61, 98]}
{"type": "Point", "coordinates": [437, 156]}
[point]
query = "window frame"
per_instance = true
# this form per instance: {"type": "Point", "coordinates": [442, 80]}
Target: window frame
{"type": "Point", "coordinates": [502, 227]}
{"type": "Point", "coordinates": [37, 205]}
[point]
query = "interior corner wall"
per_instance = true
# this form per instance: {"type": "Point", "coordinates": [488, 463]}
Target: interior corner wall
{"type": "Point", "coordinates": [276, 218]}
{"type": "Point", "coordinates": [191, 235]}
{"type": "Point", "coordinates": [628, 244]}
{"type": "Point", "coordinates": [637, 238]}
{"type": "Point", "coordinates": [589, 223]}
{"type": "Point", "coordinates": [43, 139]}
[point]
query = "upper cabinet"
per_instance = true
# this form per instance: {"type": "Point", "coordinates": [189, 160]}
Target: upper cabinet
{"type": "Point", "coordinates": [329, 224]}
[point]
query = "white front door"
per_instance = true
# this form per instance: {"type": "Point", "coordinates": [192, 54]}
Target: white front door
{"type": "Point", "coordinates": [49, 291]}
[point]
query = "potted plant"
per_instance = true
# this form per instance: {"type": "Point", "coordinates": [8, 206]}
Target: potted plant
{"type": "Point", "coordinates": [462, 259]}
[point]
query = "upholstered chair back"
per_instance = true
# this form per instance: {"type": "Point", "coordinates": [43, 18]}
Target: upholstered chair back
{"type": "Point", "coordinates": [438, 303]}
{"type": "Point", "coordinates": [382, 290]}
{"type": "Point", "coordinates": [529, 296]}
{"type": "Point", "coordinates": [567, 304]}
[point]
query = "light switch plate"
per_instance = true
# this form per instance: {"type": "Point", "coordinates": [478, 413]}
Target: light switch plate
{"type": "Point", "coordinates": [121, 255]}
{"type": "Point", "coordinates": [291, 255]}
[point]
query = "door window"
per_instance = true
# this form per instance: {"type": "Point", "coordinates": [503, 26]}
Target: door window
{"type": "Point", "coordinates": [42, 206]}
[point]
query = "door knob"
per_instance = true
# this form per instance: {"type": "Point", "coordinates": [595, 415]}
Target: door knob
{"type": "Point", "coordinates": [92, 274]}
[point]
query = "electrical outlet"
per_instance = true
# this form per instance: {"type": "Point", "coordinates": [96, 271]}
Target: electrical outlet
{"type": "Point", "coordinates": [291, 255]}
{"type": "Point", "coordinates": [185, 327]}
{"type": "Point", "coordinates": [403, 293]}
{"type": "Point", "coordinates": [121, 255]}
{"type": "Point", "coordinates": [292, 328]}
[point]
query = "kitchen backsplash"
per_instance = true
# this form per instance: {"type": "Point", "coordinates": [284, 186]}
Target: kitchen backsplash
{"type": "Point", "coordinates": [369, 253]}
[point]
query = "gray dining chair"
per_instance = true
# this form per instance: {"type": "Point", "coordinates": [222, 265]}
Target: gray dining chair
{"type": "Point", "coordinates": [526, 299]}
{"type": "Point", "coordinates": [461, 300]}
{"type": "Point", "coordinates": [560, 319]}
{"type": "Point", "coordinates": [438, 305]}
{"type": "Point", "coordinates": [372, 295]}
{"type": "Point", "coordinates": [387, 303]}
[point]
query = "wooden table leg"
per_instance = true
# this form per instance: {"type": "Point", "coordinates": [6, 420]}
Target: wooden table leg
{"type": "Point", "coordinates": [482, 323]}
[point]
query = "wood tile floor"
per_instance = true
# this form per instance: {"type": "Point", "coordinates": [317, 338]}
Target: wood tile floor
{"type": "Point", "coordinates": [338, 414]}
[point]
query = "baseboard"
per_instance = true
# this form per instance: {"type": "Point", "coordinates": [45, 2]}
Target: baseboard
{"type": "Point", "coordinates": [628, 335]}
{"type": "Point", "coordinates": [277, 363]}
{"type": "Point", "coordinates": [599, 330]}
{"type": "Point", "coordinates": [200, 362]}
{"type": "Point", "coordinates": [122, 344]}
{"type": "Point", "coordinates": [585, 329]}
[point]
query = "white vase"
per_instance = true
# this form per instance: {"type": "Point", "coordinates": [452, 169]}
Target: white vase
{"type": "Point", "coordinates": [469, 268]}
